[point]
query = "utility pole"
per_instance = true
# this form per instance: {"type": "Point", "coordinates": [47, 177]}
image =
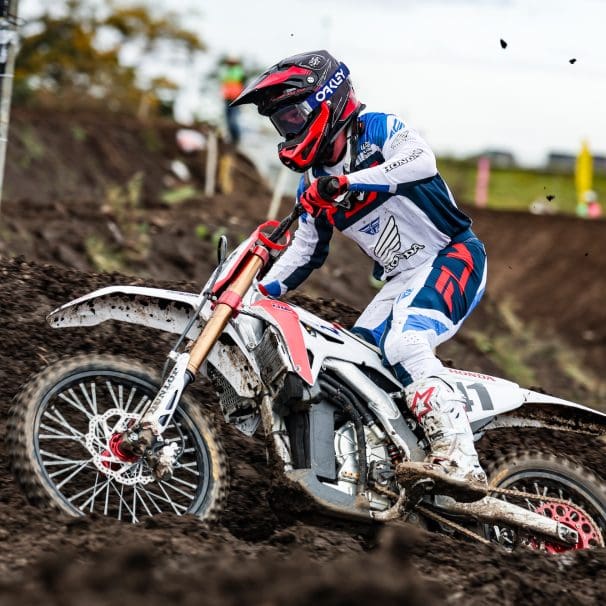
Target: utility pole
{"type": "Point", "coordinates": [9, 42]}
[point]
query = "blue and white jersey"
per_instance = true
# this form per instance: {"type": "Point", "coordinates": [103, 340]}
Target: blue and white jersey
{"type": "Point", "coordinates": [408, 218]}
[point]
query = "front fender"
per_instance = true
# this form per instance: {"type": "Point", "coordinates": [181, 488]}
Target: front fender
{"type": "Point", "coordinates": [166, 310]}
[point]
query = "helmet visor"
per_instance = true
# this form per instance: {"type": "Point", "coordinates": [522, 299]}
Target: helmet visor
{"type": "Point", "coordinates": [291, 119]}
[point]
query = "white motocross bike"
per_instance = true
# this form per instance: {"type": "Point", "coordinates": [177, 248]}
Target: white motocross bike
{"type": "Point", "coordinates": [102, 434]}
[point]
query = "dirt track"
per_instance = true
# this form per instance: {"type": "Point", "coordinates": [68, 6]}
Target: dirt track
{"type": "Point", "coordinates": [254, 556]}
{"type": "Point", "coordinates": [261, 554]}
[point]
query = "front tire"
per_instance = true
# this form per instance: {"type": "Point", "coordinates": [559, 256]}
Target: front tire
{"type": "Point", "coordinates": [53, 441]}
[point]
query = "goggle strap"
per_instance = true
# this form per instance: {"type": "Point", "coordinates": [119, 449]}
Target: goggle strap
{"type": "Point", "coordinates": [330, 87]}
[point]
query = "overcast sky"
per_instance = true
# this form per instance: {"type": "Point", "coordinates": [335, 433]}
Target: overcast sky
{"type": "Point", "coordinates": [438, 63]}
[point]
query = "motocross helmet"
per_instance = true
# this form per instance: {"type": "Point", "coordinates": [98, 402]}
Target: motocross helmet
{"type": "Point", "coordinates": [309, 99]}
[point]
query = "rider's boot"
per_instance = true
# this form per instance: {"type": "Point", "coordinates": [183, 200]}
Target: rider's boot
{"type": "Point", "coordinates": [440, 410]}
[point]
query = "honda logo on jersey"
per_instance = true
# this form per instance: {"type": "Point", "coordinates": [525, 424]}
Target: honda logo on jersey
{"type": "Point", "coordinates": [388, 246]}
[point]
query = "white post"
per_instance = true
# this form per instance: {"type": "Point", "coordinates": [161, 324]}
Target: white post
{"type": "Point", "coordinates": [212, 158]}
{"type": "Point", "coordinates": [276, 199]}
{"type": "Point", "coordinates": [9, 41]}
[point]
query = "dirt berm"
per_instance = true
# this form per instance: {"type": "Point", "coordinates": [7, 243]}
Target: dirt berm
{"type": "Point", "coordinates": [542, 323]}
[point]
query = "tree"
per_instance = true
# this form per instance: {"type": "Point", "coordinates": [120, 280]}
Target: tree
{"type": "Point", "coordinates": [80, 52]}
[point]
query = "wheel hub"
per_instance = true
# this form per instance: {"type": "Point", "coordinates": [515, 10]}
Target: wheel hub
{"type": "Point", "coordinates": [103, 441]}
{"type": "Point", "coordinates": [573, 517]}
{"type": "Point", "coordinates": [115, 448]}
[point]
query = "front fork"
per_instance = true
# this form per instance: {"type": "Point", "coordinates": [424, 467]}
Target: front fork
{"type": "Point", "coordinates": [144, 439]}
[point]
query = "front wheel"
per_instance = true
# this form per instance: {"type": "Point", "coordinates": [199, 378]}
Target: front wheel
{"type": "Point", "coordinates": [58, 435]}
{"type": "Point", "coordinates": [542, 474]}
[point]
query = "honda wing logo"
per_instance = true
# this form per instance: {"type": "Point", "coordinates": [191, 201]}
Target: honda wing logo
{"type": "Point", "coordinates": [388, 245]}
{"type": "Point", "coordinates": [372, 228]}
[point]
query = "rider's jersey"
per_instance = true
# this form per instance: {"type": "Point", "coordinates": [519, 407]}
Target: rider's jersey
{"type": "Point", "coordinates": [408, 218]}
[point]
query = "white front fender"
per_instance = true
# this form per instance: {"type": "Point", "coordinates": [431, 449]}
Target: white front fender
{"type": "Point", "coordinates": [166, 310]}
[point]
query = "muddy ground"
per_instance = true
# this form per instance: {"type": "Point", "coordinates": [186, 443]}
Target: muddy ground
{"type": "Point", "coordinates": [544, 297]}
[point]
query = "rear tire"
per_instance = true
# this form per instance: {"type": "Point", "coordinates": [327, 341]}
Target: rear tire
{"type": "Point", "coordinates": [51, 417]}
{"type": "Point", "coordinates": [555, 476]}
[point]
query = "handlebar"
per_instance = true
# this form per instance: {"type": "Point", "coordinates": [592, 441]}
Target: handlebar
{"type": "Point", "coordinates": [285, 224]}
{"type": "Point", "coordinates": [331, 187]}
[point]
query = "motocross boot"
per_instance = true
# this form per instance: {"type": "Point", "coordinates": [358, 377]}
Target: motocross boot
{"type": "Point", "coordinates": [440, 410]}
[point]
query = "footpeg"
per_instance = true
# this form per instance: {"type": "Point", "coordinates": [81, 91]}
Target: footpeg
{"type": "Point", "coordinates": [418, 491]}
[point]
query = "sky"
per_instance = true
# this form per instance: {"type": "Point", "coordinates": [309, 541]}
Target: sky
{"type": "Point", "coordinates": [436, 63]}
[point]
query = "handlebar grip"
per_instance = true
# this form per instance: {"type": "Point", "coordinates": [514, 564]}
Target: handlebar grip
{"type": "Point", "coordinates": [331, 186]}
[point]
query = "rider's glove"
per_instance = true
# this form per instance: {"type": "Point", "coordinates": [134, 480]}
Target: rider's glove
{"type": "Point", "coordinates": [320, 196]}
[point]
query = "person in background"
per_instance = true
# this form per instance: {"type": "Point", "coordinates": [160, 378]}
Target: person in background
{"type": "Point", "coordinates": [395, 205]}
{"type": "Point", "coordinates": [594, 210]}
{"type": "Point", "coordinates": [232, 77]}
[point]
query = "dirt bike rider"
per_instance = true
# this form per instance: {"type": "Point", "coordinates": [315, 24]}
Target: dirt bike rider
{"type": "Point", "coordinates": [406, 220]}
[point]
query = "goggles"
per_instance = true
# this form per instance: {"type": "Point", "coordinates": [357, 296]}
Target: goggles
{"type": "Point", "coordinates": [291, 119]}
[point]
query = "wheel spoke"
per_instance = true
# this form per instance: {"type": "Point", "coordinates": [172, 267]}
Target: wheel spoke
{"type": "Point", "coordinates": [142, 500]}
{"type": "Point", "coordinates": [131, 395]}
{"type": "Point", "coordinates": [92, 505]}
{"type": "Point", "coordinates": [112, 394]}
{"type": "Point", "coordinates": [184, 483]}
{"type": "Point", "coordinates": [69, 477]}
{"type": "Point", "coordinates": [188, 467]}
{"type": "Point", "coordinates": [176, 489]}
{"type": "Point", "coordinates": [74, 464]}
{"type": "Point", "coordinates": [56, 432]}
{"type": "Point", "coordinates": [44, 436]}
{"type": "Point", "coordinates": [75, 402]}
{"type": "Point", "coordinates": [95, 492]}
{"type": "Point", "coordinates": [142, 403]}
{"type": "Point", "coordinates": [123, 501]}
{"type": "Point", "coordinates": [151, 499]}
{"type": "Point", "coordinates": [61, 421]}
{"type": "Point", "coordinates": [171, 501]}
{"type": "Point", "coordinates": [74, 497]}
{"type": "Point", "coordinates": [92, 399]}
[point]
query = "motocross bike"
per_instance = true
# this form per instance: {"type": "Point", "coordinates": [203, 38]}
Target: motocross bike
{"type": "Point", "coordinates": [98, 433]}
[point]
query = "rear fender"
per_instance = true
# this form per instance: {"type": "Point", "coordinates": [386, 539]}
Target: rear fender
{"type": "Point", "coordinates": [545, 411]}
{"type": "Point", "coordinates": [165, 310]}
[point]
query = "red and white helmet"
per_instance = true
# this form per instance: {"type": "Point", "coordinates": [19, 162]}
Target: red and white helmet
{"type": "Point", "coordinates": [309, 98]}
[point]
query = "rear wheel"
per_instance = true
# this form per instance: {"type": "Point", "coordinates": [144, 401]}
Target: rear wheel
{"type": "Point", "coordinates": [546, 475]}
{"type": "Point", "coordinates": [58, 440]}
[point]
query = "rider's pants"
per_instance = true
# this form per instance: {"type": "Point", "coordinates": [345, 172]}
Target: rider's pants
{"type": "Point", "coordinates": [419, 309]}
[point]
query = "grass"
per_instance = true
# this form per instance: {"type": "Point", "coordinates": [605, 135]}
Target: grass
{"type": "Point", "coordinates": [179, 194]}
{"type": "Point", "coordinates": [32, 145]}
{"type": "Point", "coordinates": [517, 188]}
{"type": "Point", "coordinates": [523, 353]}
{"type": "Point", "coordinates": [103, 257]}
